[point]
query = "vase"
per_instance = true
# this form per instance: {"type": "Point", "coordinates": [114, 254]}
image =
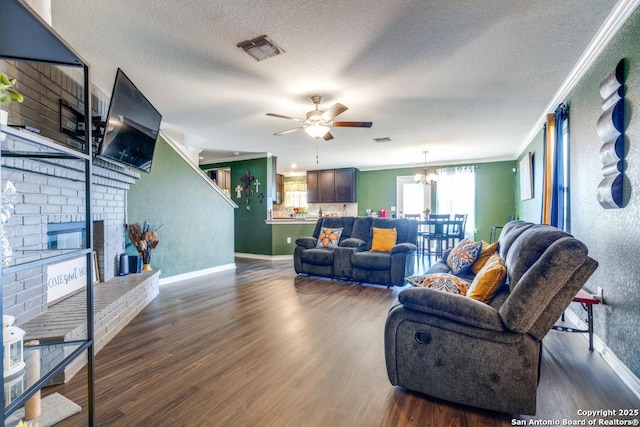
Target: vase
{"type": "Point", "coordinates": [146, 267]}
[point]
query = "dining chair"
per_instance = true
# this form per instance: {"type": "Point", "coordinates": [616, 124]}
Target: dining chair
{"type": "Point", "coordinates": [456, 231]}
{"type": "Point", "coordinates": [437, 234]}
{"type": "Point", "coordinates": [495, 228]}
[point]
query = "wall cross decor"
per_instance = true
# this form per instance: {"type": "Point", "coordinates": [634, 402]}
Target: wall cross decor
{"type": "Point", "coordinates": [257, 184]}
{"type": "Point", "coordinates": [246, 180]}
{"type": "Point", "coordinates": [238, 191]}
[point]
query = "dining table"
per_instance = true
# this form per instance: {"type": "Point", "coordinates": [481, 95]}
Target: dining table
{"type": "Point", "coordinates": [440, 232]}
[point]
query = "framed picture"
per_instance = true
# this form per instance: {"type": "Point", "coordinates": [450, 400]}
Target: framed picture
{"type": "Point", "coordinates": [526, 177]}
{"type": "Point", "coordinates": [96, 272]}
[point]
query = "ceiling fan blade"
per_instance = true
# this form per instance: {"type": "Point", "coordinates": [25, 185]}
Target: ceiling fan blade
{"type": "Point", "coordinates": [333, 112]}
{"type": "Point", "coordinates": [327, 136]}
{"type": "Point", "coordinates": [283, 117]}
{"type": "Point", "coordinates": [351, 124]}
{"type": "Point", "coordinates": [284, 132]}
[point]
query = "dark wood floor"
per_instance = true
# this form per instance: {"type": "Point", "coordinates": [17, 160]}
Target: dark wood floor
{"type": "Point", "coordinates": [259, 346]}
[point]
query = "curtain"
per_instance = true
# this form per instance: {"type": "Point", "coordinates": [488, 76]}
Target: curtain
{"type": "Point", "coordinates": [559, 187]}
{"type": "Point", "coordinates": [456, 194]}
{"type": "Point", "coordinates": [548, 154]}
{"type": "Point", "coordinates": [555, 184]}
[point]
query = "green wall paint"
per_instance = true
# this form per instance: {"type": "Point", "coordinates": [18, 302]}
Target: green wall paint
{"type": "Point", "coordinates": [252, 234]}
{"type": "Point", "coordinates": [495, 187]}
{"type": "Point", "coordinates": [610, 234]}
{"type": "Point", "coordinates": [197, 221]}
{"type": "Point", "coordinates": [280, 232]}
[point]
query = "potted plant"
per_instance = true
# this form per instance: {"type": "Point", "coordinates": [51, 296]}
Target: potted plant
{"type": "Point", "coordinates": [7, 95]}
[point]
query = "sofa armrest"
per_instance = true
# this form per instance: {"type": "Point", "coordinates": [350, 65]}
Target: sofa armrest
{"type": "Point", "coordinates": [307, 242]}
{"type": "Point", "coordinates": [403, 247]}
{"type": "Point", "coordinates": [451, 306]}
{"type": "Point", "coordinates": [354, 242]}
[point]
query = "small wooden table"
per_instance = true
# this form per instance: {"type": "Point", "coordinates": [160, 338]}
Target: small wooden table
{"type": "Point", "coordinates": [587, 301]}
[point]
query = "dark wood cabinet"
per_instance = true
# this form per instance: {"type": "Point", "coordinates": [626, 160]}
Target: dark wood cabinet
{"type": "Point", "coordinates": [312, 187]}
{"type": "Point", "coordinates": [346, 185]}
{"type": "Point", "coordinates": [326, 186]}
{"type": "Point", "coordinates": [332, 186]}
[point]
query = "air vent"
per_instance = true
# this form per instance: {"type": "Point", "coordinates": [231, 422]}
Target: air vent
{"type": "Point", "coordinates": [385, 139]}
{"type": "Point", "coordinates": [260, 48]}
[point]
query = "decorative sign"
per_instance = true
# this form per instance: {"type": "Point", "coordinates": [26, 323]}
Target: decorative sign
{"type": "Point", "coordinates": [66, 278]}
{"type": "Point", "coordinates": [613, 190]}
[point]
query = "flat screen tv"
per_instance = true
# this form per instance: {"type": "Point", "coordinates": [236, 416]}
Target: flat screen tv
{"type": "Point", "coordinates": [132, 126]}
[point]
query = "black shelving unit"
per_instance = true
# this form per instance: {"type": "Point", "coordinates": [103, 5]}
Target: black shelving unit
{"type": "Point", "coordinates": [24, 36]}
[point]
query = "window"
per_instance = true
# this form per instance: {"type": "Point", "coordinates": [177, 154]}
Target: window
{"type": "Point", "coordinates": [295, 193]}
{"type": "Point", "coordinates": [457, 194]}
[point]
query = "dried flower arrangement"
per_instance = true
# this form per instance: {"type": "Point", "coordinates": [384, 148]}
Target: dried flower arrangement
{"type": "Point", "coordinates": [144, 237]}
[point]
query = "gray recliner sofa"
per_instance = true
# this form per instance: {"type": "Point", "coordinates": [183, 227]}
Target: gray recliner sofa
{"type": "Point", "coordinates": [488, 355]}
{"type": "Point", "coordinates": [352, 258]}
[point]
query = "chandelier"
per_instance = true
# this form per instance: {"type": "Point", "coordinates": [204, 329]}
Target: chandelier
{"type": "Point", "coordinates": [425, 178]}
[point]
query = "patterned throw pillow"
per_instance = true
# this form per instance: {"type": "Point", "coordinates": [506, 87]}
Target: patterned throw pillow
{"type": "Point", "coordinates": [442, 282]}
{"type": "Point", "coordinates": [463, 256]}
{"type": "Point", "coordinates": [329, 237]}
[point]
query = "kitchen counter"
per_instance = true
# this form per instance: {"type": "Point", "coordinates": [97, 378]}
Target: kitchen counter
{"type": "Point", "coordinates": [280, 221]}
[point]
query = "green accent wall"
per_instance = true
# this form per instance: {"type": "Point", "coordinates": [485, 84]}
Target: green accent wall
{"type": "Point", "coordinates": [610, 234]}
{"type": "Point", "coordinates": [197, 222]}
{"type": "Point", "coordinates": [252, 234]}
{"type": "Point", "coordinates": [495, 192]}
{"type": "Point", "coordinates": [280, 233]}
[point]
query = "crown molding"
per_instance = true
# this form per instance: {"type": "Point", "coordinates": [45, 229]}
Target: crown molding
{"type": "Point", "coordinates": [614, 22]}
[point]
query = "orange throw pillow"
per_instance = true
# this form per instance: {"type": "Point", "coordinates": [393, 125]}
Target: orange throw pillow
{"type": "Point", "coordinates": [383, 239]}
{"type": "Point", "coordinates": [487, 251]}
{"type": "Point", "coordinates": [488, 280]}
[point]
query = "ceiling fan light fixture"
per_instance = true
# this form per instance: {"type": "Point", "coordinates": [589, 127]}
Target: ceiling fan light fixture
{"type": "Point", "coordinates": [317, 130]}
{"type": "Point", "coordinates": [260, 48]}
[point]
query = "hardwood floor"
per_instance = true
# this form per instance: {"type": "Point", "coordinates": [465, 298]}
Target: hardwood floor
{"type": "Point", "coordinates": [260, 346]}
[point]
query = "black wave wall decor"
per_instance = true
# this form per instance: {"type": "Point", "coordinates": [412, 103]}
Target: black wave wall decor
{"type": "Point", "coordinates": [614, 190]}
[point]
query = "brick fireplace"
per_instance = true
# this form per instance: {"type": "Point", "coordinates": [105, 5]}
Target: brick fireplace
{"type": "Point", "coordinates": [51, 199]}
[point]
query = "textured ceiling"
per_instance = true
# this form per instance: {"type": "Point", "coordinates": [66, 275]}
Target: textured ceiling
{"type": "Point", "coordinates": [465, 80]}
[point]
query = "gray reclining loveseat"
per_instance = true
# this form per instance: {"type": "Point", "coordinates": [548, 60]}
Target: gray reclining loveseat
{"type": "Point", "coordinates": [351, 258]}
{"type": "Point", "coordinates": [488, 355]}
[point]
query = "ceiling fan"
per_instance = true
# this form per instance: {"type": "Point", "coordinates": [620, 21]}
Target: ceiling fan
{"type": "Point", "coordinates": [318, 122]}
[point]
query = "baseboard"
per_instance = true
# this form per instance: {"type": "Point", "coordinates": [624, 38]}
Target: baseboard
{"type": "Point", "coordinates": [197, 273]}
{"type": "Point", "coordinates": [265, 257]}
{"type": "Point", "coordinates": [622, 371]}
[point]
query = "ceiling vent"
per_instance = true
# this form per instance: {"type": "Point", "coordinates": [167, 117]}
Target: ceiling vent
{"type": "Point", "coordinates": [385, 139]}
{"type": "Point", "coordinates": [260, 48]}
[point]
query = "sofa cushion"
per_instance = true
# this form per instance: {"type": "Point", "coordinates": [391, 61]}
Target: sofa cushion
{"type": "Point", "coordinates": [319, 256]}
{"type": "Point", "coordinates": [463, 255]}
{"type": "Point", "coordinates": [371, 260]}
{"type": "Point", "coordinates": [485, 254]}
{"type": "Point", "coordinates": [329, 237]}
{"type": "Point", "coordinates": [383, 239]}
{"type": "Point", "coordinates": [489, 279]}
{"type": "Point", "coordinates": [362, 230]}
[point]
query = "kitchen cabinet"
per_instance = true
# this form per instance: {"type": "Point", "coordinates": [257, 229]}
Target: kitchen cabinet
{"type": "Point", "coordinates": [332, 186]}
